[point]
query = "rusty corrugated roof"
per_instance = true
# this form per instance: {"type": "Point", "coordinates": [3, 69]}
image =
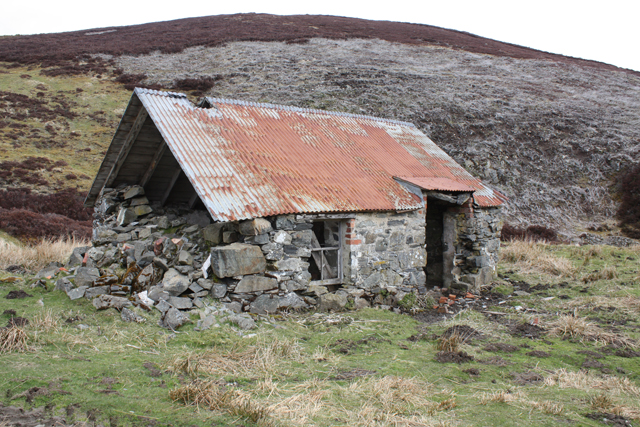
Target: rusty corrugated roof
{"type": "Point", "coordinates": [249, 160]}
{"type": "Point", "coordinates": [437, 183]}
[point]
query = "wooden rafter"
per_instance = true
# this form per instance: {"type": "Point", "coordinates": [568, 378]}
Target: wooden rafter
{"type": "Point", "coordinates": [193, 199]}
{"type": "Point", "coordinates": [127, 144]}
{"type": "Point", "coordinates": [174, 178]}
{"type": "Point", "coordinates": [154, 163]}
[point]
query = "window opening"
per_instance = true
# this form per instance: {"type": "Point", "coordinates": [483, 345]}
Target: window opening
{"type": "Point", "coordinates": [326, 252]}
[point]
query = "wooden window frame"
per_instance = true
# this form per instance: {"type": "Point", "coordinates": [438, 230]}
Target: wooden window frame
{"type": "Point", "coordinates": [340, 248]}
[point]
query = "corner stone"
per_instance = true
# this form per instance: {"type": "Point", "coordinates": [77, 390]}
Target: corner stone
{"type": "Point", "coordinates": [237, 259]}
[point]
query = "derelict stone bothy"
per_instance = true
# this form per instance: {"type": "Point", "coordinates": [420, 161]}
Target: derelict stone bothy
{"type": "Point", "coordinates": [273, 206]}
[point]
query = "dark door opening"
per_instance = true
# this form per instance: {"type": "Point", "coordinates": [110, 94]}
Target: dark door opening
{"type": "Point", "coordinates": [435, 246]}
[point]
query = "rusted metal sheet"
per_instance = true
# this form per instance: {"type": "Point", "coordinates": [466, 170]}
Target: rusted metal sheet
{"type": "Point", "coordinates": [438, 184]}
{"type": "Point", "coordinates": [249, 160]}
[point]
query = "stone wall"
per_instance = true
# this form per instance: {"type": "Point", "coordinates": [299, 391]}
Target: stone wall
{"type": "Point", "coordinates": [260, 265]}
{"type": "Point", "coordinates": [387, 249]}
{"type": "Point", "coordinates": [263, 265]}
{"type": "Point", "coordinates": [477, 244]}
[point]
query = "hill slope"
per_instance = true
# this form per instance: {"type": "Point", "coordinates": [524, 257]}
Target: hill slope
{"type": "Point", "coordinates": [551, 132]}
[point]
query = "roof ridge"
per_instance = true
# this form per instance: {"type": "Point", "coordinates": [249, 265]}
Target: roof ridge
{"type": "Point", "coordinates": [305, 110]}
{"type": "Point", "coordinates": [144, 91]}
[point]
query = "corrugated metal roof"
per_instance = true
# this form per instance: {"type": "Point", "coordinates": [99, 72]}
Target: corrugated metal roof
{"type": "Point", "coordinates": [439, 184]}
{"type": "Point", "coordinates": [249, 160]}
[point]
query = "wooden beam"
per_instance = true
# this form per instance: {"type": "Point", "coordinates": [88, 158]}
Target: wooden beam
{"type": "Point", "coordinates": [154, 163]}
{"type": "Point", "coordinates": [458, 199]}
{"type": "Point", "coordinates": [126, 145]}
{"type": "Point", "coordinates": [174, 178]}
{"type": "Point", "coordinates": [319, 258]}
{"type": "Point", "coordinates": [194, 199]}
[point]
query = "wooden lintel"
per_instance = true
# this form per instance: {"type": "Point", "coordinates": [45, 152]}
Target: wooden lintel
{"type": "Point", "coordinates": [174, 178]}
{"type": "Point", "coordinates": [457, 199]}
{"type": "Point", "coordinates": [126, 145]}
{"type": "Point", "coordinates": [193, 199]}
{"type": "Point", "coordinates": [154, 163]}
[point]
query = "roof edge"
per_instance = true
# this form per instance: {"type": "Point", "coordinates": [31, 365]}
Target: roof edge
{"type": "Point", "coordinates": [213, 101]}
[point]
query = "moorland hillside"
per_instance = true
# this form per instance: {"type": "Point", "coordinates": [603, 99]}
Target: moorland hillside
{"type": "Point", "coordinates": [559, 136]}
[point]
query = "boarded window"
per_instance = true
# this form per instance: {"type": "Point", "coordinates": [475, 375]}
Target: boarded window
{"type": "Point", "coordinates": [326, 252]}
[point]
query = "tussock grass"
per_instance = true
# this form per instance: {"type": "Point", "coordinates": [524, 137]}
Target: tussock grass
{"type": "Point", "coordinates": [46, 321]}
{"type": "Point", "coordinates": [548, 407]}
{"type": "Point", "coordinates": [13, 339]}
{"type": "Point", "coordinates": [503, 396]}
{"type": "Point", "coordinates": [450, 343]}
{"type": "Point", "coordinates": [37, 256]}
{"type": "Point", "coordinates": [601, 402]}
{"type": "Point", "coordinates": [607, 273]}
{"type": "Point", "coordinates": [531, 257]}
{"type": "Point", "coordinates": [217, 397]}
{"type": "Point", "coordinates": [587, 382]}
{"type": "Point", "coordinates": [578, 327]}
{"type": "Point", "coordinates": [252, 361]}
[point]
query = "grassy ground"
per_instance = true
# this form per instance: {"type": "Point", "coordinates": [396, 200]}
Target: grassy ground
{"type": "Point", "coordinates": [556, 342]}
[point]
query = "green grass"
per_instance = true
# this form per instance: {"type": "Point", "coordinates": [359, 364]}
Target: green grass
{"type": "Point", "coordinates": [79, 133]}
{"type": "Point", "coordinates": [353, 368]}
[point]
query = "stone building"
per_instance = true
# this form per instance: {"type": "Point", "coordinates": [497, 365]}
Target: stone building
{"type": "Point", "coordinates": [292, 202]}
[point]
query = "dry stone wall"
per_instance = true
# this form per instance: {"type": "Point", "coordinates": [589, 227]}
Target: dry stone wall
{"type": "Point", "coordinates": [176, 260]}
{"type": "Point", "coordinates": [389, 249]}
{"type": "Point", "coordinates": [477, 244]}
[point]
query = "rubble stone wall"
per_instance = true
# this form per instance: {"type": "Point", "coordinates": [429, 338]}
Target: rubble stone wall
{"type": "Point", "coordinates": [258, 265]}
{"type": "Point", "coordinates": [266, 264]}
{"type": "Point", "coordinates": [477, 243]}
{"type": "Point", "coordinates": [387, 249]}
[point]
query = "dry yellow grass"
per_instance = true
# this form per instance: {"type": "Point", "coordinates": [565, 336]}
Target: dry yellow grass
{"type": "Point", "coordinates": [34, 257]}
{"type": "Point", "coordinates": [548, 407]}
{"type": "Point", "coordinates": [607, 273]}
{"type": "Point", "coordinates": [579, 327]}
{"type": "Point", "coordinates": [384, 401]}
{"type": "Point", "coordinates": [217, 397]}
{"type": "Point", "coordinates": [531, 257]}
{"type": "Point", "coordinates": [253, 361]}
{"type": "Point", "coordinates": [587, 382]}
{"type": "Point", "coordinates": [601, 402]}
{"type": "Point", "coordinates": [13, 339]}
{"type": "Point", "coordinates": [500, 397]}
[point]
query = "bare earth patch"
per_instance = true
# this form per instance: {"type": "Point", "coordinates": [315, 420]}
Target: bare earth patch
{"type": "Point", "coordinates": [453, 357]}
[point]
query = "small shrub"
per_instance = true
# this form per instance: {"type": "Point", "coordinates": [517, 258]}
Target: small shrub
{"type": "Point", "coordinates": [199, 84]}
{"type": "Point", "coordinates": [131, 81]}
{"type": "Point", "coordinates": [535, 233]}
{"type": "Point", "coordinates": [408, 301]}
{"type": "Point", "coordinates": [67, 202]}
{"type": "Point", "coordinates": [28, 225]}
